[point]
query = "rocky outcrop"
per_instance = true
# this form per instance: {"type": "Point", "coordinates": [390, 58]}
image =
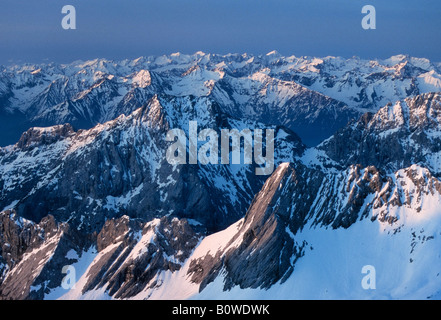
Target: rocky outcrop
{"type": "Point", "coordinates": [35, 254]}
{"type": "Point", "coordinates": [44, 136]}
{"type": "Point", "coordinates": [131, 256]}
{"type": "Point", "coordinates": [398, 136]}
{"type": "Point", "coordinates": [263, 250]}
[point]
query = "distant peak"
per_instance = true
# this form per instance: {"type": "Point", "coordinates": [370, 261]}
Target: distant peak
{"type": "Point", "coordinates": [396, 59]}
{"type": "Point", "coordinates": [273, 53]}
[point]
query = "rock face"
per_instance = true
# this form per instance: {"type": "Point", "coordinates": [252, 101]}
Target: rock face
{"type": "Point", "coordinates": [131, 256]}
{"type": "Point", "coordinates": [398, 136]}
{"type": "Point", "coordinates": [34, 254]}
{"type": "Point", "coordinates": [120, 167]}
{"type": "Point", "coordinates": [248, 259]}
{"type": "Point", "coordinates": [267, 244]}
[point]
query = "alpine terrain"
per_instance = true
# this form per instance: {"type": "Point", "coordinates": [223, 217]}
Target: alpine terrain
{"type": "Point", "coordinates": [91, 207]}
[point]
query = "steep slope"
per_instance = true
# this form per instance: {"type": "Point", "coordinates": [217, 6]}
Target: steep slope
{"type": "Point", "coordinates": [34, 254]}
{"type": "Point", "coordinates": [120, 167]}
{"type": "Point", "coordinates": [397, 136]}
{"type": "Point", "coordinates": [270, 100]}
{"type": "Point", "coordinates": [314, 248]}
{"type": "Point", "coordinates": [393, 226]}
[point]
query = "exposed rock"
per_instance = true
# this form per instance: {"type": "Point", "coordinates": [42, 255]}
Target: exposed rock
{"type": "Point", "coordinates": [266, 251]}
{"type": "Point", "coordinates": [120, 168]}
{"type": "Point", "coordinates": [396, 137]}
{"type": "Point", "coordinates": [37, 136]}
{"type": "Point", "coordinates": [35, 255]}
{"type": "Point", "coordinates": [131, 257]}
{"type": "Point", "coordinates": [265, 248]}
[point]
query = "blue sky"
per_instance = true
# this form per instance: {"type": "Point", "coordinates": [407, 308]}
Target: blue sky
{"type": "Point", "coordinates": [30, 31]}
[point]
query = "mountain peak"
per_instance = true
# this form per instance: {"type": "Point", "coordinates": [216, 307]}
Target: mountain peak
{"type": "Point", "coordinates": [35, 136]}
{"type": "Point", "coordinates": [404, 133]}
{"type": "Point", "coordinates": [273, 53]}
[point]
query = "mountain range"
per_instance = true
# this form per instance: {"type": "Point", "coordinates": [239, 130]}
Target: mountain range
{"type": "Point", "coordinates": [85, 182]}
{"type": "Point", "coordinates": [311, 96]}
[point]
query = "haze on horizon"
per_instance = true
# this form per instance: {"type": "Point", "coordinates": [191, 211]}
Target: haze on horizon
{"type": "Point", "coordinates": [31, 31]}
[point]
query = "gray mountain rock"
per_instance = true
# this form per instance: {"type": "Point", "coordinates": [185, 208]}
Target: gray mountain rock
{"type": "Point", "coordinates": [131, 257]}
{"type": "Point", "coordinates": [267, 244]}
{"type": "Point", "coordinates": [397, 136]}
{"type": "Point", "coordinates": [34, 255]}
{"type": "Point", "coordinates": [118, 168]}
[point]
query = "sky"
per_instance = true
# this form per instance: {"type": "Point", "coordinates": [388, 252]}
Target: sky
{"type": "Point", "coordinates": [30, 31]}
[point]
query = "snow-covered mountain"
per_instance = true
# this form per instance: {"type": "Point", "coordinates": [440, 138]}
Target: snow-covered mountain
{"type": "Point", "coordinates": [84, 178]}
{"type": "Point", "coordinates": [88, 176]}
{"type": "Point", "coordinates": [104, 200]}
{"type": "Point", "coordinates": [301, 93]}
{"type": "Point", "coordinates": [400, 134]}
{"type": "Point", "coordinates": [311, 229]}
